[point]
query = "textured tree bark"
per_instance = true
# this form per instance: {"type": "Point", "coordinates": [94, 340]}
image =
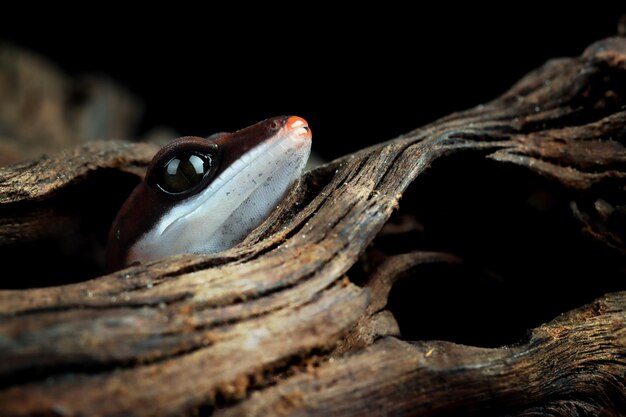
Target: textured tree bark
{"type": "Point", "coordinates": [314, 312]}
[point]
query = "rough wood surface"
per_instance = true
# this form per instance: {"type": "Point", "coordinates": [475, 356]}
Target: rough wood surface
{"type": "Point", "coordinates": [313, 313]}
{"type": "Point", "coordinates": [560, 368]}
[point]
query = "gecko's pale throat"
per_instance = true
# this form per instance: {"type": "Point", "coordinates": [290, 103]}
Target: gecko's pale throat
{"type": "Point", "coordinates": [205, 195]}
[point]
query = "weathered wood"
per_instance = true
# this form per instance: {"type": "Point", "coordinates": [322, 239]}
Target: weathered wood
{"type": "Point", "coordinates": [563, 366]}
{"type": "Point", "coordinates": [299, 319]}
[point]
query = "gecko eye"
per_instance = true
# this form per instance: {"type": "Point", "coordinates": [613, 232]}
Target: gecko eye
{"type": "Point", "coordinates": [184, 172]}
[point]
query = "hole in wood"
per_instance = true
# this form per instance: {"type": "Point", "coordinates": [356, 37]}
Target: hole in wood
{"type": "Point", "coordinates": [71, 248]}
{"type": "Point", "coordinates": [522, 254]}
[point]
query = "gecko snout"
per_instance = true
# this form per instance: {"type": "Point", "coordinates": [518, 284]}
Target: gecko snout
{"type": "Point", "coordinates": [299, 127]}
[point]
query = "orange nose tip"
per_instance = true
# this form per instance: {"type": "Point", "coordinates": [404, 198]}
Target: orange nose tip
{"type": "Point", "coordinates": [298, 125]}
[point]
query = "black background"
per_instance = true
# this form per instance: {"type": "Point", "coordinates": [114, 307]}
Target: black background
{"type": "Point", "coordinates": [359, 76]}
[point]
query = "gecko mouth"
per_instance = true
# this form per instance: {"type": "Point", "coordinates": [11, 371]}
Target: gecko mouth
{"type": "Point", "coordinates": [298, 128]}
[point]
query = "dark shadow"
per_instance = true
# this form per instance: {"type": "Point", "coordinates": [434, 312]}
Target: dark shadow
{"type": "Point", "coordinates": [75, 251]}
{"type": "Point", "coordinates": [525, 258]}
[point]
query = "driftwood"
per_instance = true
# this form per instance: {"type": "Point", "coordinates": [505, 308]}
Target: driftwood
{"type": "Point", "coordinates": [501, 217]}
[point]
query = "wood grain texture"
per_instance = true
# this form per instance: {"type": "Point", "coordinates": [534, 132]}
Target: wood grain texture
{"type": "Point", "coordinates": [303, 317]}
{"type": "Point", "coordinates": [560, 361]}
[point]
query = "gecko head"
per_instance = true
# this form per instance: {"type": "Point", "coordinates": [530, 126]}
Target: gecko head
{"type": "Point", "coordinates": [205, 195]}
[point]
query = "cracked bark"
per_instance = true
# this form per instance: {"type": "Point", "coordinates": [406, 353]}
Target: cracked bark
{"type": "Point", "coordinates": [321, 310]}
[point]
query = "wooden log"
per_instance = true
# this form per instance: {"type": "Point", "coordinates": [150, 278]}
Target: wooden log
{"type": "Point", "coordinates": [568, 367]}
{"type": "Point", "coordinates": [307, 316]}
